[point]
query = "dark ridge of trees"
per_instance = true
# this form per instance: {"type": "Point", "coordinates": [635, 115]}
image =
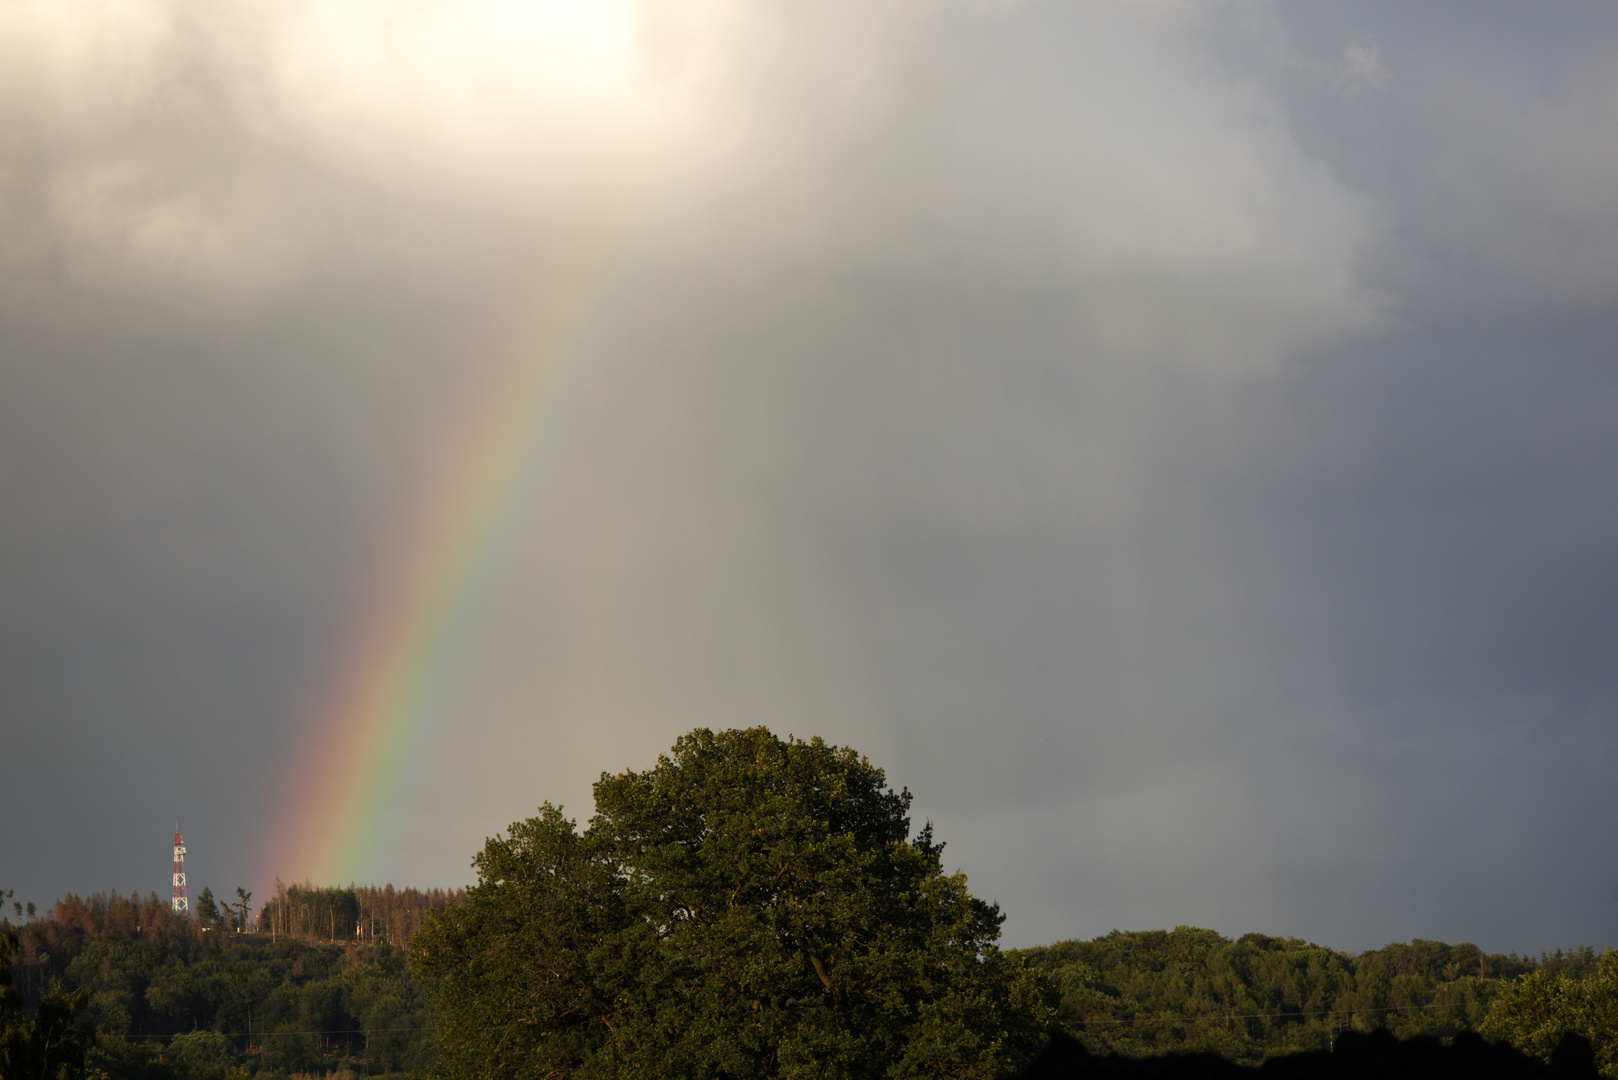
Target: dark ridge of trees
{"type": "Point", "coordinates": [105, 916]}
{"type": "Point", "coordinates": [1434, 961]}
{"type": "Point", "coordinates": [1580, 963]}
{"type": "Point", "coordinates": [364, 913]}
{"type": "Point", "coordinates": [170, 999]}
{"type": "Point", "coordinates": [50, 1044]}
{"type": "Point", "coordinates": [171, 1002]}
{"type": "Point", "coordinates": [1190, 990]}
{"type": "Point", "coordinates": [119, 987]}
{"type": "Point", "coordinates": [45, 944]}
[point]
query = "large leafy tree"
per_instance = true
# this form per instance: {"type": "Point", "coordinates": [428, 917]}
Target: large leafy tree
{"type": "Point", "coordinates": [750, 907]}
{"type": "Point", "coordinates": [1542, 1008]}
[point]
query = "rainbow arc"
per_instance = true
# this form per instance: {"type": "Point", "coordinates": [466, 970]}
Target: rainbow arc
{"type": "Point", "coordinates": [384, 705]}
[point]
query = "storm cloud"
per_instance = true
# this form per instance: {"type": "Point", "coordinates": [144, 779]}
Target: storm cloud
{"type": "Point", "coordinates": [1173, 439]}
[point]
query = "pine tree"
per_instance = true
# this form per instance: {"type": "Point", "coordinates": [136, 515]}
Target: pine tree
{"type": "Point", "coordinates": [207, 909]}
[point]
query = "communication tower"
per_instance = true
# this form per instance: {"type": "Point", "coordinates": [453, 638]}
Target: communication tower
{"type": "Point", "coordinates": [181, 903]}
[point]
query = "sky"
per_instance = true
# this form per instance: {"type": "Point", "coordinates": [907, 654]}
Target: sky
{"type": "Point", "coordinates": [1174, 439]}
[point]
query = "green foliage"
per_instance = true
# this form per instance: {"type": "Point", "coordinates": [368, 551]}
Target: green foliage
{"type": "Point", "coordinates": [1186, 990]}
{"type": "Point", "coordinates": [1579, 963]}
{"type": "Point", "coordinates": [748, 908]}
{"type": "Point", "coordinates": [1534, 1012]}
{"type": "Point", "coordinates": [313, 912]}
{"type": "Point", "coordinates": [174, 1003]}
{"type": "Point", "coordinates": [51, 1044]}
{"type": "Point", "coordinates": [360, 913]}
{"type": "Point", "coordinates": [207, 909]}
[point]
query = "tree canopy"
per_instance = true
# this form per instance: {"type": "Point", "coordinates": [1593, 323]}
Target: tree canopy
{"type": "Point", "coordinates": [1542, 1008]}
{"type": "Point", "coordinates": [1150, 992]}
{"type": "Point", "coordinates": [750, 907]}
{"type": "Point", "coordinates": [172, 1002]}
{"type": "Point", "coordinates": [49, 1045]}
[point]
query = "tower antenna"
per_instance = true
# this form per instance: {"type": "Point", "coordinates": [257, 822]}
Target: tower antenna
{"type": "Point", "coordinates": [180, 902]}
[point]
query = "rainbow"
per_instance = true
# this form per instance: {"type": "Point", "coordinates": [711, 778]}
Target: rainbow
{"type": "Point", "coordinates": [380, 711]}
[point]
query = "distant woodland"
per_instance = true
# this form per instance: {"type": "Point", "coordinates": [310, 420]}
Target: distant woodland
{"type": "Point", "coordinates": [322, 985]}
{"type": "Point", "coordinates": [750, 908]}
{"type": "Point", "coordinates": [1187, 989]}
{"type": "Point", "coordinates": [364, 914]}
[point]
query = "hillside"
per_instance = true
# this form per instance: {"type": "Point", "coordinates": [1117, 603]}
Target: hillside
{"type": "Point", "coordinates": [1156, 991]}
{"type": "Point", "coordinates": [173, 1000]}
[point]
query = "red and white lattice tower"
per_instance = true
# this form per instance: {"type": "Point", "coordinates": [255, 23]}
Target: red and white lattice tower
{"type": "Point", "coordinates": [180, 901]}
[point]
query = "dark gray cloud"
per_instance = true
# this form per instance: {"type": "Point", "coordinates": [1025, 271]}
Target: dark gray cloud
{"type": "Point", "coordinates": [1172, 439]}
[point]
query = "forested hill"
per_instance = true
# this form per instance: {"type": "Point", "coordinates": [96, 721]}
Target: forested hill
{"type": "Point", "coordinates": [175, 999]}
{"type": "Point", "coordinates": [323, 986]}
{"type": "Point", "coordinates": [1151, 992]}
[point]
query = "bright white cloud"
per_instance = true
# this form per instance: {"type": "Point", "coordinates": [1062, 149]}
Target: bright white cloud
{"type": "Point", "coordinates": [222, 150]}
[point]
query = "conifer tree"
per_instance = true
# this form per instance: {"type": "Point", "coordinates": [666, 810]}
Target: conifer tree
{"type": "Point", "coordinates": [207, 908]}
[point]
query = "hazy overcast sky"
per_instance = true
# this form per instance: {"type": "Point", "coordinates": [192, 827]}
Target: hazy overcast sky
{"type": "Point", "coordinates": [1178, 440]}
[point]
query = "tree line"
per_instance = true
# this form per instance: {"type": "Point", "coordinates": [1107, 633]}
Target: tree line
{"type": "Point", "coordinates": [1191, 990]}
{"type": "Point", "coordinates": [169, 1002]}
{"type": "Point", "coordinates": [168, 998]}
{"type": "Point", "coordinates": [368, 913]}
{"type": "Point", "coordinates": [751, 908]}
{"type": "Point", "coordinates": [759, 909]}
